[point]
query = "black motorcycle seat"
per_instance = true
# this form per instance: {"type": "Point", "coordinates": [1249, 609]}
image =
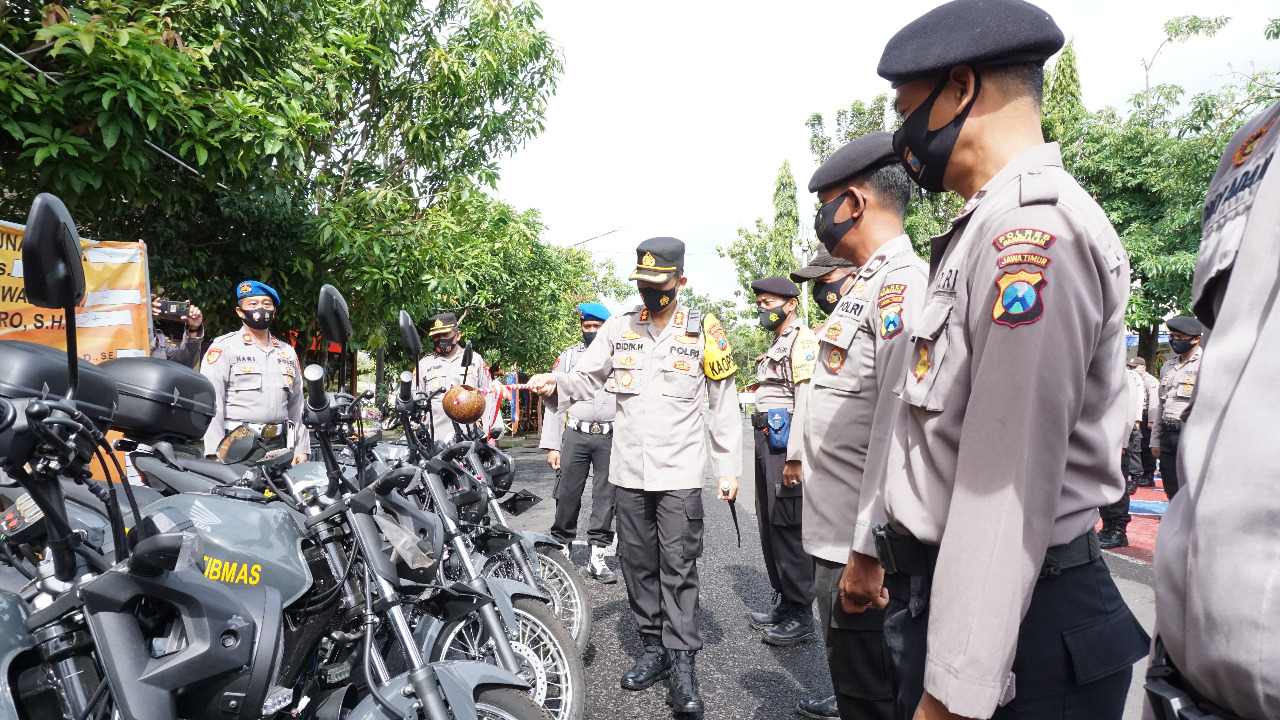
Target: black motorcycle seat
{"type": "Point", "coordinates": [225, 474]}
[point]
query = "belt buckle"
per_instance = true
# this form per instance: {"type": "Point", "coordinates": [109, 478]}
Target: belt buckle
{"type": "Point", "coordinates": [270, 431]}
{"type": "Point", "coordinates": [596, 429]}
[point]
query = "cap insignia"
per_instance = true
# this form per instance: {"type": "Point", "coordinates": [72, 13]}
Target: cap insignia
{"type": "Point", "coordinates": [648, 260]}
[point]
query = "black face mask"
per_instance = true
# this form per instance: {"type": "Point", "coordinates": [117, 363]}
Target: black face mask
{"type": "Point", "coordinates": [1182, 346]}
{"type": "Point", "coordinates": [771, 318]}
{"type": "Point", "coordinates": [829, 231]}
{"type": "Point", "coordinates": [924, 152]}
{"type": "Point", "coordinates": [259, 318]}
{"type": "Point", "coordinates": [588, 337]}
{"type": "Point", "coordinates": [828, 294]}
{"type": "Point", "coordinates": [657, 300]}
{"type": "Point", "coordinates": [444, 346]}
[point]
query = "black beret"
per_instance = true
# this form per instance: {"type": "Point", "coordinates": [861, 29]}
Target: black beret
{"type": "Point", "coordinates": [970, 32]}
{"type": "Point", "coordinates": [442, 324]}
{"type": "Point", "coordinates": [775, 286]}
{"type": "Point", "coordinates": [867, 152]}
{"type": "Point", "coordinates": [1185, 324]}
{"type": "Point", "coordinates": [822, 263]}
{"type": "Point", "coordinates": [657, 259]}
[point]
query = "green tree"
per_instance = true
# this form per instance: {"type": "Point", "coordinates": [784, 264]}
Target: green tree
{"type": "Point", "coordinates": [1063, 99]}
{"type": "Point", "coordinates": [769, 248]}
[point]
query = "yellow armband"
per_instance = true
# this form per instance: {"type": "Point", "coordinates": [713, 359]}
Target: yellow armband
{"type": "Point", "coordinates": [717, 356]}
{"type": "Point", "coordinates": [804, 356]}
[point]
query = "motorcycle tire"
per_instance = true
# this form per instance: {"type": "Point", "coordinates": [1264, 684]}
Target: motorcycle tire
{"type": "Point", "coordinates": [559, 578]}
{"type": "Point", "coordinates": [552, 664]}
{"type": "Point", "coordinates": [507, 704]}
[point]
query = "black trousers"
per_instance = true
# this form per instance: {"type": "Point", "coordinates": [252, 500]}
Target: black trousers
{"type": "Point", "coordinates": [861, 671]}
{"type": "Point", "coordinates": [1148, 459]}
{"type": "Point", "coordinates": [778, 511]}
{"type": "Point", "coordinates": [579, 454]}
{"type": "Point", "coordinates": [1130, 466]}
{"type": "Point", "coordinates": [659, 543]}
{"type": "Point", "coordinates": [1169, 439]}
{"type": "Point", "coordinates": [1076, 646]}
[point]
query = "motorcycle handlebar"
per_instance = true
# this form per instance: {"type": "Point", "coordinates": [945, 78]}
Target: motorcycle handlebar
{"type": "Point", "coordinates": [316, 398]}
{"type": "Point", "coordinates": [406, 386]}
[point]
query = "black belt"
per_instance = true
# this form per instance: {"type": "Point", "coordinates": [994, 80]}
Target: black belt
{"type": "Point", "coordinates": [760, 420]}
{"type": "Point", "coordinates": [590, 428]}
{"type": "Point", "coordinates": [1170, 424]}
{"type": "Point", "coordinates": [1172, 697]}
{"type": "Point", "coordinates": [905, 554]}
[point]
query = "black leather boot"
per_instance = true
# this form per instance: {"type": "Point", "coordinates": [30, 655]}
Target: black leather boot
{"type": "Point", "coordinates": [798, 627]}
{"type": "Point", "coordinates": [766, 620]}
{"type": "Point", "coordinates": [682, 688]}
{"type": "Point", "coordinates": [824, 709]}
{"type": "Point", "coordinates": [652, 666]}
{"type": "Point", "coordinates": [1115, 538]}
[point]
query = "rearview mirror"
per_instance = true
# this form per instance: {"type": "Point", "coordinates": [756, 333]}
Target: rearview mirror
{"type": "Point", "coordinates": [467, 352]}
{"type": "Point", "coordinates": [238, 445]}
{"type": "Point", "coordinates": [52, 274]}
{"type": "Point", "coordinates": [409, 338]}
{"type": "Point", "coordinates": [335, 319]}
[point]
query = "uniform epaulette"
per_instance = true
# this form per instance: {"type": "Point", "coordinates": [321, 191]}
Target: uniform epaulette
{"type": "Point", "coordinates": [693, 323]}
{"type": "Point", "coordinates": [1037, 188]}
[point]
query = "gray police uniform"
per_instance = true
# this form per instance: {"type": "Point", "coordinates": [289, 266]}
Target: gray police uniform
{"type": "Point", "coordinates": [584, 436]}
{"type": "Point", "coordinates": [862, 347]}
{"type": "Point", "coordinates": [660, 458]}
{"type": "Point", "coordinates": [441, 373]}
{"type": "Point", "coordinates": [1216, 553]}
{"type": "Point", "coordinates": [782, 375]}
{"type": "Point", "coordinates": [187, 352]}
{"type": "Point", "coordinates": [1116, 515]}
{"type": "Point", "coordinates": [1150, 400]}
{"type": "Point", "coordinates": [258, 386]}
{"type": "Point", "coordinates": [1014, 408]}
{"type": "Point", "coordinates": [1177, 389]}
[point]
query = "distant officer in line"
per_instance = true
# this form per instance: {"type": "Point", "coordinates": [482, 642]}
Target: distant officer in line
{"type": "Point", "coordinates": [1115, 517]}
{"type": "Point", "coordinates": [864, 193]}
{"type": "Point", "coordinates": [832, 277]}
{"type": "Point", "coordinates": [1218, 642]}
{"type": "Point", "coordinates": [1014, 397]}
{"type": "Point", "coordinates": [1177, 390]}
{"type": "Point", "coordinates": [663, 358]}
{"type": "Point", "coordinates": [188, 351]}
{"type": "Point", "coordinates": [782, 379]}
{"type": "Point", "coordinates": [1150, 400]}
{"type": "Point", "coordinates": [579, 441]}
{"type": "Point", "coordinates": [256, 378]}
{"type": "Point", "coordinates": [443, 369]}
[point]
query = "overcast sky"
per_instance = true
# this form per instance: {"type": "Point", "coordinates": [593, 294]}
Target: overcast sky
{"type": "Point", "coordinates": [672, 118]}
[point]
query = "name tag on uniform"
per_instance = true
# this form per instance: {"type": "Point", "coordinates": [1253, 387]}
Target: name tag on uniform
{"type": "Point", "coordinates": [852, 306]}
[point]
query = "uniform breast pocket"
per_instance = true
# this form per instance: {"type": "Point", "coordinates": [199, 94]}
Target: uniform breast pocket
{"type": "Point", "coordinates": [627, 376]}
{"type": "Point", "coordinates": [680, 384]}
{"type": "Point", "coordinates": [923, 385]}
{"type": "Point", "coordinates": [836, 369]}
{"type": "Point", "coordinates": [1185, 388]}
{"type": "Point", "coordinates": [246, 380]}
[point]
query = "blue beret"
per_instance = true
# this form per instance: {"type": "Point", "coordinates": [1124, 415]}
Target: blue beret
{"type": "Point", "coordinates": [853, 158]}
{"type": "Point", "coordinates": [594, 311]}
{"type": "Point", "coordinates": [970, 32]}
{"type": "Point", "coordinates": [249, 288]}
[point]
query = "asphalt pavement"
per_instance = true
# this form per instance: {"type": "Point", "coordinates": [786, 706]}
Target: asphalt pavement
{"type": "Point", "coordinates": [740, 676]}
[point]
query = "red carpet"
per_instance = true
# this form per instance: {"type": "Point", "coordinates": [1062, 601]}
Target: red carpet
{"type": "Point", "coordinates": [1142, 529]}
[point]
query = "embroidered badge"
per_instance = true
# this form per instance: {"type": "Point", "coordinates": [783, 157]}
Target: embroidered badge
{"type": "Point", "coordinates": [833, 331]}
{"type": "Point", "coordinates": [213, 355]}
{"type": "Point", "coordinates": [687, 339]}
{"type": "Point", "coordinates": [288, 381]}
{"type": "Point", "coordinates": [248, 369]}
{"type": "Point", "coordinates": [246, 288]}
{"type": "Point", "coordinates": [858, 289]}
{"type": "Point", "coordinates": [832, 297]}
{"type": "Point", "coordinates": [682, 365]}
{"type": "Point", "coordinates": [1249, 145]}
{"type": "Point", "coordinates": [630, 335]}
{"type": "Point", "coordinates": [1018, 299]}
{"type": "Point", "coordinates": [627, 361]}
{"type": "Point", "coordinates": [1024, 236]}
{"type": "Point", "coordinates": [1027, 258]}
{"type": "Point", "coordinates": [835, 359]}
{"type": "Point", "coordinates": [626, 379]}
{"type": "Point", "coordinates": [664, 300]}
{"type": "Point", "coordinates": [890, 321]}
{"type": "Point", "coordinates": [678, 319]}
{"type": "Point", "coordinates": [288, 370]}
{"type": "Point", "coordinates": [644, 315]}
{"type": "Point", "coordinates": [438, 324]}
{"type": "Point", "coordinates": [648, 260]}
{"type": "Point", "coordinates": [246, 338]}
{"type": "Point", "coordinates": [556, 365]}
{"type": "Point", "coordinates": [890, 294]}
{"type": "Point", "coordinates": [922, 365]}
{"type": "Point", "coordinates": [913, 162]}
{"type": "Point", "coordinates": [716, 331]}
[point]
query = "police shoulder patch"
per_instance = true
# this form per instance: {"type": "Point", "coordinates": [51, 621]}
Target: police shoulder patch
{"type": "Point", "coordinates": [890, 320]}
{"type": "Point", "coordinates": [212, 356]}
{"type": "Point", "coordinates": [1019, 298]}
{"type": "Point", "coordinates": [804, 356]}
{"type": "Point", "coordinates": [717, 356]}
{"type": "Point", "coordinates": [1023, 236]}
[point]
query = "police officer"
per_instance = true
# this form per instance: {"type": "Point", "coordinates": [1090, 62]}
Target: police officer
{"type": "Point", "coordinates": [1115, 517]}
{"type": "Point", "coordinates": [579, 441]}
{"type": "Point", "coordinates": [1217, 635]}
{"type": "Point", "coordinates": [782, 389]}
{"type": "Point", "coordinates": [1150, 399]}
{"type": "Point", "coordinates": [864, 194]}
{"type": "Point", "coordinates": [188, 351]}
{"type": "Point", "coordinates": [662, 358]}
{"type": "Point", "coordinates": [832, 277]}
{"type": "Point", "coordinates": [443, 369]}
{"type": "Point", "coordinates": [256, 378]}
{"type": "Point", "coordinates": [1177, 390]}
{"type": "Point", "coordinates": [1014, 398]}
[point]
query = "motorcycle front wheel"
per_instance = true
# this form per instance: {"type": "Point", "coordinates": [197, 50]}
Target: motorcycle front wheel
{"type": "Point", "coordinates": [549, 658]}
{"type": "Point", "coordinates": [507, 704]}
{"type": "Point", "coordinates": [558, 578]}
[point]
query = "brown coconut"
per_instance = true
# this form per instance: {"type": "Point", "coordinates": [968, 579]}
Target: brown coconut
{"type": "Point", "coordinates": [464, 404]}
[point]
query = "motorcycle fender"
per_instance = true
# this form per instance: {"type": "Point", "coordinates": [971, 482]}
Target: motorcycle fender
{"type": "Point", "coordinates": [515, 588]}
{"type": "Point", "coordinates": [14, 639]}
{"type": "Point", "coordinates": [459, 680]}
{"type": "Point", "coordinates": [394, 691]}
{"type": "Point", "coordinates": [426, 632]}
{"type": "Point", "coordinates": [533, 540]}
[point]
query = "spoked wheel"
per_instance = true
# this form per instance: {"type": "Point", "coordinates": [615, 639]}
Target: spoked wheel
{"type": "Point", "coordinates": [558, 578]}
{"type": "Point", "coordinates": [508, 704]}
{"type": "Point", "coordinates": [549, 659]}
